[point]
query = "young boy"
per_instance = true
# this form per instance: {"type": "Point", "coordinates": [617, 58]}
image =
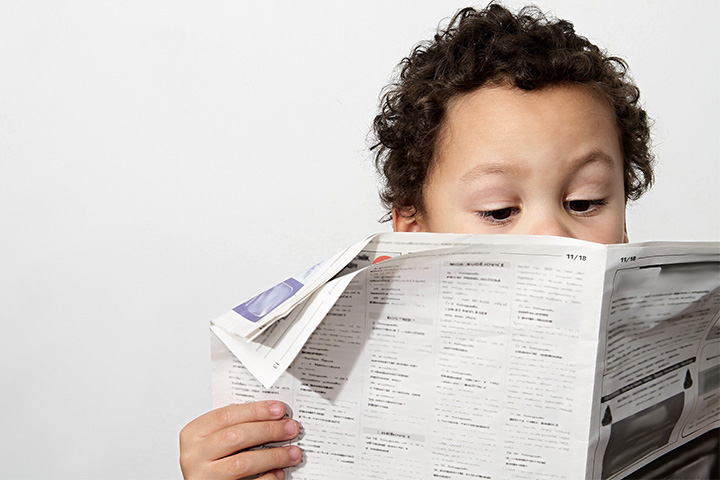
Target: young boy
{"type": "Point", "coordinates": [503, 123]}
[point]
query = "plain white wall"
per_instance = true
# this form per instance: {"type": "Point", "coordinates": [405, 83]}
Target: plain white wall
{"type": "Point", "coordinates": [161, 161]}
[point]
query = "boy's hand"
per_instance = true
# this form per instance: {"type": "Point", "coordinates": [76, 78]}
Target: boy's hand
{"type": "Point", "coordinates": [211, 446]}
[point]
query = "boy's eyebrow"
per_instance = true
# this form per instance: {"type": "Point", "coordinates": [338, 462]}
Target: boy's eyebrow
{"type": "Point", "coordinates": [595, 156]}
{"type": "Point", "coordinates": [484, 169]}
{"type": "Point", "coordinates": [500, 168]}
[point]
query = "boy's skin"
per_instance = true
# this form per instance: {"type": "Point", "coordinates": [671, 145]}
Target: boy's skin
{"type": "Point", "coordinates": [540, 162]}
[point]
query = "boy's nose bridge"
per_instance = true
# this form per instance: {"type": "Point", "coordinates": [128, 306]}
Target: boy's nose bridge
{"type": "Point", "coordinates": [548, 223]}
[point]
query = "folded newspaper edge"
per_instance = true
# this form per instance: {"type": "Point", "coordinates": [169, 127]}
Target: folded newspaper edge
{"type": "Point", "coordinates": [268, 356]}
{"type": "Point", "coordinates": [251, 317]}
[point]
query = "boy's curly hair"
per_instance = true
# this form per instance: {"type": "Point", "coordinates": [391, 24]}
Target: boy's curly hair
{"type": "Point", "coordinates": [491, 46]}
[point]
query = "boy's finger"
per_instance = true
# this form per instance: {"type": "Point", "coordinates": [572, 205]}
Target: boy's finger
{"type": "Point", "coordinates": [256, 461]}
{"type": "Point", "coordinates": [229, 415]}
{"type": "Point", "coordinates": [247, 435]}
{"type": "Point", "coordinates": [274, 475]}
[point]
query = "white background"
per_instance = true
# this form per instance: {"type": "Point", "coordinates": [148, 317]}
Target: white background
{"type": "Point", "coordinates": [161, 161]}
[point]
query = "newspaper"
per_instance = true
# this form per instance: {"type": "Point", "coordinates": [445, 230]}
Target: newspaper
{"type": "Point", "coordinates": [496, 357]}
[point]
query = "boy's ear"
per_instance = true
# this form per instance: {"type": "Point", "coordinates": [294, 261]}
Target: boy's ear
{"type": "Point", "coordinates": [405, 220]}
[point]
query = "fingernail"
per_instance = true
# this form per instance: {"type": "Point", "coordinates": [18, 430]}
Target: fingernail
{"type": "Point", "coordinates": [276, 409]}
{"type": "Point", "coordinates": [295, 454]}
{"type": "Point", "coordinates": [291, 427]}
{"type": "Point", "coordinates": [280, 474]}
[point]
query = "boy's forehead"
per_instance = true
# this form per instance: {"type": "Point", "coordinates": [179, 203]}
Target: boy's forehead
{"type": "Point", "coordinates": [502, 125]}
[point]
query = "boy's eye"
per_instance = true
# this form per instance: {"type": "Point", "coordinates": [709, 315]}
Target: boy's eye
{"type": "Point", "coordinates": [499, 216]}
{"type": "Point", "coordinates": [584, 206]}
{"type": "Point", "coordinates": [579, 205]}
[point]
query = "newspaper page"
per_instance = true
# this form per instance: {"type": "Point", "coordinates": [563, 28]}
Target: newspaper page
{"type": "Point", "coordinates": [476, 361]}
{"type": "Point", "coordinates": [497, 357]}
{"type": "Point", "coordinates": [659, 355]}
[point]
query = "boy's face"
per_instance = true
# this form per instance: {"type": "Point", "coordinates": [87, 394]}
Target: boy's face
{"type": "Point", "coordinates": [544, 162]}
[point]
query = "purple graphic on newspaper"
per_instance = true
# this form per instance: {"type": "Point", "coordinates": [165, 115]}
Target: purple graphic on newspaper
{"type": "Point", "coordinates": [260, 305]}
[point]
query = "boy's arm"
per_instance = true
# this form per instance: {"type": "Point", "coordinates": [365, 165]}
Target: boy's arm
{"type": "Point", "coordinates": [213, 446]}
